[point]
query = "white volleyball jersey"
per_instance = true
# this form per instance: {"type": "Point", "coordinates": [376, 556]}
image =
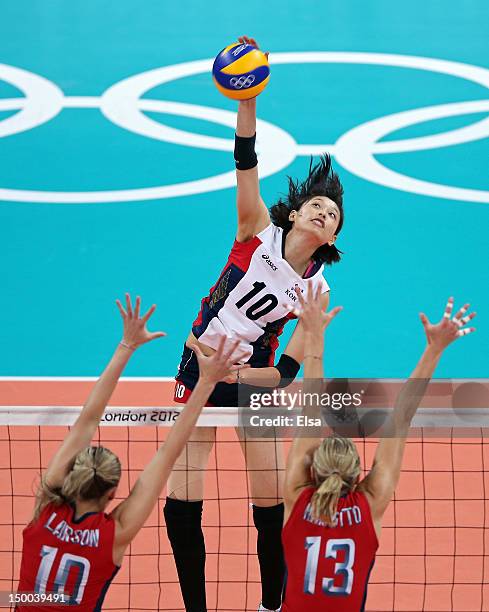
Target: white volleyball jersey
{"type": "Point", "coordinates": [250, 295]}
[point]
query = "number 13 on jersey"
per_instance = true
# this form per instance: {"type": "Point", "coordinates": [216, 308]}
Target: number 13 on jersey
{"type": "Point", "coordinates": [343, 570]}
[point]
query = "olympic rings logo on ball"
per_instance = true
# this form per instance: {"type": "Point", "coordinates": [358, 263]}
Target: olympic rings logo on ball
{"type": "Point", "coordinates": [242, 82]}
{"type": "Point", "coordinates": [124, 105]}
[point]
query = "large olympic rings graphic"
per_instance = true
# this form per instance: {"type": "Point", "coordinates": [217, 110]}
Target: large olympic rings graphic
{"type": "Point", "coordinates": [355, 150]}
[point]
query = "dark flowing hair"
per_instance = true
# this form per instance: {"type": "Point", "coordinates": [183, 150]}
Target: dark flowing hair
{"type": "Point", "coordinates": [321, 181]}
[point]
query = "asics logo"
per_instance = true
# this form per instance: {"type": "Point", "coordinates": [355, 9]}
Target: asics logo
{"type": "Point", "coordinates": [269, 262]}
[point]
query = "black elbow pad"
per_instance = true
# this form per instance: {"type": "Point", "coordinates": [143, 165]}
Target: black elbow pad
{"type": "Point", "coordinates": [288, 368]}
{"type": "Point", "coordinates": [244, 152]}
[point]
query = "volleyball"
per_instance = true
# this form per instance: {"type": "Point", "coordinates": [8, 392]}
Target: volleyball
{"type": "Point", "coordinates": [241, 71]}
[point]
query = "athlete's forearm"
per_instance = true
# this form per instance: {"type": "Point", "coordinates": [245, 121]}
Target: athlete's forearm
{"type": "Point", "coordinates": [271, 377]}
{"type": "Point", "coordinates": [414, 388]}
{"type": "Point", "coordinates": [426, 366]}
{"type": "Point", "coordinates": [313, 356]}
{"type": "Point", "coordinates": [104, 387]}
{"type": "Point", "coordinates": [260, 377]}
{"type": "Point", "coordinates": [313, 371]}
{"type": "Point", "coordinates": [246, 124]}
{"type": "Point", "coordinates": [132, 514]}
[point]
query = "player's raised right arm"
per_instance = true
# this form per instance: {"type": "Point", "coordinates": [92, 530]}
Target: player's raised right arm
{"type": "Point", "coordinates": [253, 216]}
{"type": "Point", "coordinates": [132, 513]}
{"type": "Point", "coordinates": [382, 480]}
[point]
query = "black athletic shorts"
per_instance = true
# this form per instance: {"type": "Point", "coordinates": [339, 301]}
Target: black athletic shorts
{"type": "Point", "coordinates": [224, 394]}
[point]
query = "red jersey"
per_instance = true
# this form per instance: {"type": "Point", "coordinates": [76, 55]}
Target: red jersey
{"type": "Point", "coordinates": [328, 567]}
{"type": "Point", "coordinates": [64, 555]}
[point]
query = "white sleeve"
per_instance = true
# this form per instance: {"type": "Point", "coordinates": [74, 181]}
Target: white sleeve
{"type": "Point", "coordinates": [270, 234]}
{"type": "Point", "coordinates": [324, 285]}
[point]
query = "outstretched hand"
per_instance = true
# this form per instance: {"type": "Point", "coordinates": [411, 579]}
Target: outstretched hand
{"type": "Point", "coordinates": [311, 314]}
{"type": "Point", "coordinates": [218, 366]}
{"type": "Point", "coordinates": [441, 334]}
{"type": "Point", "coordinates": [246, 40]}
{"type": "Point", "coordinates": [135, 332]}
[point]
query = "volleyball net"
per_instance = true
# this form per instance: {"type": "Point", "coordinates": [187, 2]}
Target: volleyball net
{"type": "Point", "coordinates": [434, 548]}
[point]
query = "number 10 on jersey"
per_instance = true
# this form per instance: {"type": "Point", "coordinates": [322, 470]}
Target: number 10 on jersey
{"type": "Point", "coordinates": [261, 307]}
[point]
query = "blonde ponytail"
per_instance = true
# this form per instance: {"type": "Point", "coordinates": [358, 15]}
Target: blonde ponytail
{"type": "Point", "coordinates": [335, 467]}
{"type": "Point", "coordinates": [95, 470]}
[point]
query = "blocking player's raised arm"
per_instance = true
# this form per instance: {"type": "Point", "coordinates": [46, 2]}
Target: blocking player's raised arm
{"type": "Point", "coordinates": [314, 320]}
{"type": "Point", "coordinates": [132, 513]}
{"type": "Point", "coordinates": [80, 435]}
{"type": "Point", "coordinates": [297, 344]}
{"type": "Point", "coordinates": [79, 483]}
{"type": "Point", "coordinates": [380, 483]}
{"type": "Point", "coordinates": [253, 215]}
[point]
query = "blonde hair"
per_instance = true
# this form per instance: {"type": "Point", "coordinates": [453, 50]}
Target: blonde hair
{"type": "Point", "coordinates": [95, 470]}
{"type": "Point", "coordinates": [335, 467]}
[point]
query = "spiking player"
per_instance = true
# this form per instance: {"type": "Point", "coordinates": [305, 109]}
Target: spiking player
{"type": "Point", "coordinates": [72, 549]}
{"type": "Point", "coordinates": [273, 253]}
{"type": "Point", "coordinates": [332, 519]}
